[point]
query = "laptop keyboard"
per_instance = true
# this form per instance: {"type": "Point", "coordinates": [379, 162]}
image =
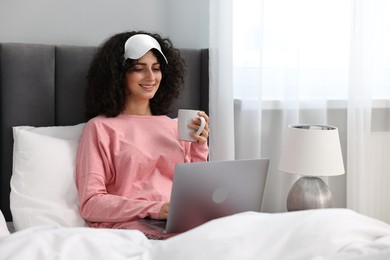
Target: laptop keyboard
{"type": "Point", "coordinates": [160, 223]}
{"type": "Point", "coordinates": [154, 237]}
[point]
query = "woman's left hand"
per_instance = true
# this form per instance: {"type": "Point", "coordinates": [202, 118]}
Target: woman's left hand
{"type": "Point", "coordinates": [164, 211]}
{"type": "Point", "coordinates": [202, 138]}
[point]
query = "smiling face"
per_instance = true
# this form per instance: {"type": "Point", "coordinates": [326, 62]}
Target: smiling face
{"type": "Point", "coordinates": [143, 80]}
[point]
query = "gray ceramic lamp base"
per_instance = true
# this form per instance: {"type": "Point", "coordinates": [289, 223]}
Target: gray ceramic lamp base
{"type": "Point", "coordinates": [309, 193]}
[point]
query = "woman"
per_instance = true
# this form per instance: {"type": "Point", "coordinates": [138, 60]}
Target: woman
{"type": "Point", "coordinates": [129, 147]}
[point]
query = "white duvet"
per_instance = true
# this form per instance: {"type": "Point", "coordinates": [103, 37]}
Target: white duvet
{"type": "Point", "coordinates": [314, 234]}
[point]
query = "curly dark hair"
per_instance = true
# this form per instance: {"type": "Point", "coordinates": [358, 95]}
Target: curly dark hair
{"type": "Point", "coordinates": [106, 94]}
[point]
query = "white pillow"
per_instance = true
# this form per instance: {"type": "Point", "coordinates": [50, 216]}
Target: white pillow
{"type": "Point", "coordinates": [43, 189]}
{"type": "Point", "coordinates": [3, 226]}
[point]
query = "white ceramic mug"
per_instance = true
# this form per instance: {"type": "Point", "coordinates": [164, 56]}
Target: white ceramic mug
{"type": "Point", "coordinates": [185, 117]}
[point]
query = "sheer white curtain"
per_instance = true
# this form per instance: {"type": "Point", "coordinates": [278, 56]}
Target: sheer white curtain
{"type": "Point", "coordinates": [367, 161]}
{"type": "Point", "coordinates": [277, 62]}
{"type": "Point", "coordinates": [221, 83]}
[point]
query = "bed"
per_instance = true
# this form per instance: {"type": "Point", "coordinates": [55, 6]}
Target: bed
{"type": "Point", "coordinates": [42, 115]}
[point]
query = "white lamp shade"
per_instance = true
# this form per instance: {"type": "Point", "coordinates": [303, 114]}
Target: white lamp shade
{"type": "Point", "coordinates": [312, 150]}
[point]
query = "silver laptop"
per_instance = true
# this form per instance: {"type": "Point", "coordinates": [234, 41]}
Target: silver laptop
{"type": "Point", "coordinates": [204, 191]}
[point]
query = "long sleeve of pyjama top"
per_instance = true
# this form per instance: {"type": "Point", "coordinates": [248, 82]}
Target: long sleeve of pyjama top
{"type": "Point", "coordinates": [125, 167]}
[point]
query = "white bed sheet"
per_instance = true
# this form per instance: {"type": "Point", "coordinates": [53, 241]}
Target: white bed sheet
{"type": "Point", "coordinates": [315, 234]}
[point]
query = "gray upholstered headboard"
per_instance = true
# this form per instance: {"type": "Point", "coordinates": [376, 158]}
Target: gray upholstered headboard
{"type": "Point", "coordinates": [43, 85]}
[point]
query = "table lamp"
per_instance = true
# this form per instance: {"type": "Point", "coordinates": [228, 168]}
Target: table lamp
{"type": "Point", "coordinates": [311, 151]}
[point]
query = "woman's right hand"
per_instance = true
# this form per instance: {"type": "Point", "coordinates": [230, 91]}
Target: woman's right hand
{"type": "Point", "coordinates": [164, 211]}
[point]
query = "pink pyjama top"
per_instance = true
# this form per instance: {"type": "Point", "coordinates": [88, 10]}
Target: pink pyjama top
{"type": "Point", "coordinates": [125, 168]}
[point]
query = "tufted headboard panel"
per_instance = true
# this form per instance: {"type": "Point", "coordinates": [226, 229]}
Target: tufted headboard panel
{"type": "Point", "coordinates": [43, 85]}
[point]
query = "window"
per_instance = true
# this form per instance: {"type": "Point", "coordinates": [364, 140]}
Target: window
{"type": "Point", "coordinates": [303, 47]}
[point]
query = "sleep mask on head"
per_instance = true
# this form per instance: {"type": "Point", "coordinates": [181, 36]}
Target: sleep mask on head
{"type": "Point", "coordinates": [138, 45]}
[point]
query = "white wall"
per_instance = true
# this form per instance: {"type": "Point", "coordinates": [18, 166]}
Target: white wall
{"type": "Point", "coordinates": [188, 23]}
{"type": "Point", "coordinates": [89, 22]}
